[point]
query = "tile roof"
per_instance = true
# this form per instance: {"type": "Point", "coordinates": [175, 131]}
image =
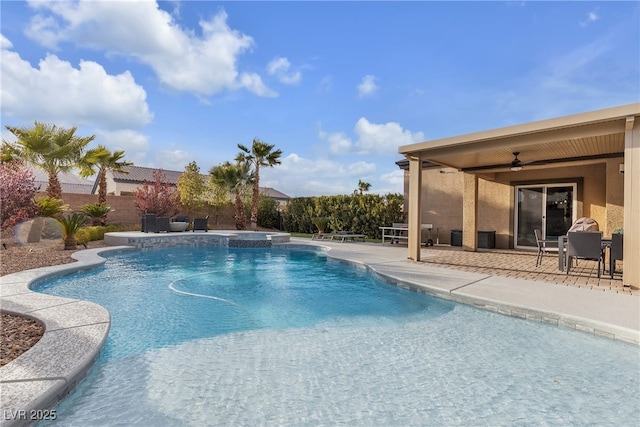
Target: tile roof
{"type": "Point", "coordinates": [69, 182]}
{"type": "Point", "coordinates": [141, 174]}
{"type": "Point", "coordinates": [273, 193]}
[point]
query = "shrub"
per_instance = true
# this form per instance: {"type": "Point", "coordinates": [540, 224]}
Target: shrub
{"type": "Point", "coordinates": [359, 213]}
{"type": "Point", "coordinates": [50, 206]}
{"type": "Point", "coordinates": [157, 197]}
{"type": "Point", "coordinates": [268, 212]}
{"type": "Point", "coordinates": [17, 189]}
{"type": "Point", "coordinates": [97, 212]}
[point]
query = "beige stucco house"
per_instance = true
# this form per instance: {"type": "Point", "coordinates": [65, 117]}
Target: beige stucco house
{"type": "Point", "coordinates": [124, 184]}
{"type": "Point", "coordinates": [543, 174]}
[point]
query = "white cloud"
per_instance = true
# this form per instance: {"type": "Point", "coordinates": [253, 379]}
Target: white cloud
{"type": "Point", "coordinates": [325, 85]}
{"type": "Point", "coordinates": [372, 139]}
{"type": "Point", "coordinates": [178, 159]}
{"type": "Point", "coordinates": [591, 18]}
{"type": "Point", "coordinates": [56, 91]}
{"type": "Point", "coordinates": [5, 43]}
{"type": "Point", "coordinates": [394, 179]}
{"type": "Point", "coordinates": [279, 67]}
{"type": "Point", "coordinates": [134, 144]}
{"type": "Point", "coordinates": [297, 176]}
{"type": "Point", "coordinates": [203, 64]}
{"type": "Point", "coordinates": [367, 86]}
{"type": "Point", "coordinates": [383, 139]}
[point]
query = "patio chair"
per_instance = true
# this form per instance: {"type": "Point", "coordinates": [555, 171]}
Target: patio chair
{"type": "Point", "coordinates": [615, 253]}
{"type": "Point", "coordinates": [201, 224]}
{"type": "Point", "coordinates": [162, 224]}
{"type": "Point", "coordinates": [149, 223]}
{"type": "Point", "coordinates": [585, 245]}
{"type": "Point", "coordinates": [543, 245]}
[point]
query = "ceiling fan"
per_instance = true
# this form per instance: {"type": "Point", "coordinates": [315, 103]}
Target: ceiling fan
{"type": "Point", "coordinates": [516, 164]}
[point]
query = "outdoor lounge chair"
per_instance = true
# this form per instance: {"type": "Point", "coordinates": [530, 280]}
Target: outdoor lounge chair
{"type": "Point", "coordinates": [543, 245]}
{"type": "Point", "coordinates": [201, 224]}
{"type": "Point", "coordinates": [347, 235]}
{"type": "Point", "coordinates": [585, 245]}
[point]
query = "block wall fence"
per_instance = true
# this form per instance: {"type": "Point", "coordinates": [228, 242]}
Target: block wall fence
{"type": "Point", "coordinates": [124, 211]}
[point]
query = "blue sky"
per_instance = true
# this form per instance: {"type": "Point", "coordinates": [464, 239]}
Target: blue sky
{"type": "Point", "coordinates": [337, 86]}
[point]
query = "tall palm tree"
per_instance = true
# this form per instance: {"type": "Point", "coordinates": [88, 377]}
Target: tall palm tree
{"type": "Point", "coordinates": [260, 154]}
{"type": "Point", "coordinates": [101, 160]}
{"type": "Point", "coordinates": [363, 186]}
{"type": "Point", "coordinates": [234, 178]}
{"type": "Point", "coordinates": [48, 147]}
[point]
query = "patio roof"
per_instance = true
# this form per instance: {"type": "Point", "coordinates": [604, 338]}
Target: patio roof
{"type": "Point", "coordinates": [581, 137]}
{"type": "Point", "coordinates": [571, 140]}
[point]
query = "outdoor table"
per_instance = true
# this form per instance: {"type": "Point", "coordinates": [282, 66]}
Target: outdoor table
{"type": "Point", "coordinates": [401, 232]}
{"type": "Point", "coordinates": [396, 233]}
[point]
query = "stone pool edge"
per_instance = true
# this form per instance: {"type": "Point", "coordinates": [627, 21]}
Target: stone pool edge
{"type": "Point", "coordinates": [75, 332]}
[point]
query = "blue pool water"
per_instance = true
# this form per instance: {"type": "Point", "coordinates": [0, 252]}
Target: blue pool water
{"type": "Point", "coordinates": [219, 336]}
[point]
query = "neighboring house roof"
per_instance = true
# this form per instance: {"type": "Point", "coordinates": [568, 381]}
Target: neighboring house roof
{"type": "Point", "coordinates": [139, 174]}
{"type": "Point", "coordinates": [273, 193]}
{"type": "Point", "coordinates": [69, 182]}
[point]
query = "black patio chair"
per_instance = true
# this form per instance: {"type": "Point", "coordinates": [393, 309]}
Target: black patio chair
{"type": "Point", "coordinates": [201, 224]}
{"type": "Point", "coordinates": [585, 245]}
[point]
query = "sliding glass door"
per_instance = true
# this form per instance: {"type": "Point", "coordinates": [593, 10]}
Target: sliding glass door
{"type": "Point", "coordinates": [551, 208]}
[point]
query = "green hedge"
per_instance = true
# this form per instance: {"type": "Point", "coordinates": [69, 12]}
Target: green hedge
{"type": "Point", "coordinates": [361, 214]}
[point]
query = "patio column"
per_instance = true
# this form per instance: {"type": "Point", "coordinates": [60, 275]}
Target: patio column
{"type": "Point", "coordinates": [415, 206]}
{"type": "Point", "coordinates": [631, 249]}
{"type": "Point", "coordinates": [470, 212]}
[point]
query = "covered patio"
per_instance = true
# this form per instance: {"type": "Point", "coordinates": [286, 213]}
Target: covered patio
{"type": "Point", "coordinates": [591, 159]}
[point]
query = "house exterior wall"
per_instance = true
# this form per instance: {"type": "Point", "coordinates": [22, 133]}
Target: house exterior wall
{"type": "Point", "coordinates": [600, 195]}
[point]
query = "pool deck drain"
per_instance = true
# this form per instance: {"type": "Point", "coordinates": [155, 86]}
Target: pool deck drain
{"type": "Point", "coordinates": [75, 331]}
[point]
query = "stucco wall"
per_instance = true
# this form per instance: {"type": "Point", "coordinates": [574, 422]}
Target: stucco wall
{"type": "Point", "coordinates": [600, 196]}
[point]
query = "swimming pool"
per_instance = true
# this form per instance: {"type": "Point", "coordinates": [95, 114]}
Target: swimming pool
{"type": "Point", "coordinates": [220, 336]}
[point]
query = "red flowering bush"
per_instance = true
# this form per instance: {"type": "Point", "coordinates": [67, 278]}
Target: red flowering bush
{"type": "Point", "coordinates": [157, 197]}
{"type": "Point", "coordinates": [17, 190]}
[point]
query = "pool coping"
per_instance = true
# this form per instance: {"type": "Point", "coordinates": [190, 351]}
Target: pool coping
{"type": "Point", "coordinates": [75, 331]}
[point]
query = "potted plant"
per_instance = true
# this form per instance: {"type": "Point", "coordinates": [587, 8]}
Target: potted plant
{"type": "Point", "coordinates": [321, 223]}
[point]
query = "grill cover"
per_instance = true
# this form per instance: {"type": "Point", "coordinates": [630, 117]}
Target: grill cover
{"type": "Point", "coordinates": [585, 224]}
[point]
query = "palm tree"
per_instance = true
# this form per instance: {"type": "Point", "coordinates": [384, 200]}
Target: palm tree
{"type": "Point", "coordinates": [100, 159]}
{"type": "Point", "coordinates": [259, 155]}
{"type": "Point", "coordinates": [363, 186]}
{"type": "Point", "coordinates": [48, 147]}
{"type": "Point", "coordinates": [234, 178]}
{"type": "Point", "coordinates": [70, 225]}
